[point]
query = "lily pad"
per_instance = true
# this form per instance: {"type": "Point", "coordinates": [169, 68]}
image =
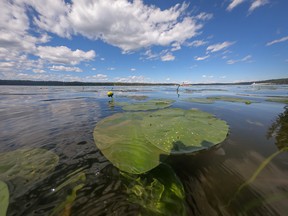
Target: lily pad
{"type": "Point", "coordinates": [178, 131]}
{"type": "Point", "coordinates": [200, 100]}
{"type": "Point", "coordinates": [4, 198]}
{"type": "Point", "coordinates": [230, 99]}
{"type": "Point", "coordinates": [137, 142]}
{"type": "Point", "coordinates": [26, 166]}
{"type": "Point", "coordinates": [278, 99]}
{"type": "Point", "coordinates": [121, 139]}
{"type": "Point", "coordinates": [147, 105]}
{"type": "Point", "coordinates": [159, 192]}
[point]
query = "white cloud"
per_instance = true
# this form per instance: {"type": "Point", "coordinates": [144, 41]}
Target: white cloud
{"type": "Point", "coordinates": [38, 71]}
{"type": "Point", "coordinates": [277, 41]}
{"type": "Point", "coordinates": [129, 25]}
{"type": "Point", "coordinates": [167, 57]}
{"type": "Point", "coordinates": [94, 69]}
{"type": "Point", "coordinates": [233, 4]}
{"type": "Point", "coordinates": [97, 78]}
{"type": "Point", "coordinates": [64, 55]}
{"type": "Point", "coordinates": [176, 46]}
{"type": "Point", "coordinates": [244, 59]}
{"type": "Point", "coordinates": [64, 68]}
{"type": "Point", "coordinates": [201, 58]}
{"type": "Point", "coordinates": [138, 79]}
{"type": "Point", "coordinates": [219, 46]}
{"type": "Point", "coordinates": [256, 4]}
{"type": "Point", "coordinates": [132, 69]}
{"type": "Point", "coordinates": [197, 43]}
{"type": "Point", "coordinates": [111, 68]}
{"type": "Point", "coordinates": [204, 16]}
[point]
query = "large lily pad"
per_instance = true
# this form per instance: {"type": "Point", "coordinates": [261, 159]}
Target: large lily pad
{"type": "Point", "coordinates": [4, 198]}
{"type": "Point", "coordinates": [121, 139]}
{"type": "Point", "coordinates": [278, 99]}
{"type": "Point", "coordinates": [137, 142]}
{"type": "Point", "coordinates": [179, 131]}
{"type": "Point", "coordinates": [159, 192]}
{"type": "Point", "coordinates": [230, 99]}
{"type": "Point", "coordinates": [26, 166]}
{"type": "Point", "coordinates": [147, 105]}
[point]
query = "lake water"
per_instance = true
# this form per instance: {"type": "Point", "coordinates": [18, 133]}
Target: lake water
{"type": "Point", "coordinates": [247, 174]}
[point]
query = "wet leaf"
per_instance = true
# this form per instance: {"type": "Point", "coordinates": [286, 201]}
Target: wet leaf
{"type": "Point", "coordinates": [179, 131]}
{"type": "Point", "coordinates": [159, 192]}
{"type": "Point", "coordinates": [4, 198]}
{"type": "Point", "coordinates": [137, 142]}
{"type": "Point", "coordinates": [121, 140]}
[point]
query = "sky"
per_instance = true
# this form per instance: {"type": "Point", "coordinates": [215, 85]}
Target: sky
{"type": "Point", "coordinates": [166, 41]}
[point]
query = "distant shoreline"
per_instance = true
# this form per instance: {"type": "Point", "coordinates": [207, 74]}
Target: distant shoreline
{"type": "Point", "coordinates": [59, 83]}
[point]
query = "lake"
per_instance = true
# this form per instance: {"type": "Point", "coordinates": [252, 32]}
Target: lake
{"type": "Point", "coordinates": [50, 165]}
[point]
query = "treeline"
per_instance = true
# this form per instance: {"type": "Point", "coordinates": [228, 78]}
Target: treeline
{"type": "Point", "coordinates": [59, 83]}
{"type": "Point", "coordinates": [275, 81]}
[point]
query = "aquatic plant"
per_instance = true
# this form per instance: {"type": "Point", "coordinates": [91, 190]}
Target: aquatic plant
{"type": "Point", "coordinates": [147, 105]}
{"type": "Point", "coordinates": [24, 167]}
{"type": "Point", "coordinates": [255, 174]}
{"type": "Point", "coordinates": [159, 192]}
{"type": "Point", "coordinates": [279, 129]}
{"type": "Point", "coordinates": [278, 99]}
{"type": "Point", "coordinates": [110, 94]}
{"type": "Point", "coordinates": [136, 142]}
{"type": "Point", "coordinates": [4, 198]}
{"type": "Point", "coordinates": [210, 100]}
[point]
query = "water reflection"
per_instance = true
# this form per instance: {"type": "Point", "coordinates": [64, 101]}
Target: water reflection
{"type": "Point", "coordinates": [62, 119]}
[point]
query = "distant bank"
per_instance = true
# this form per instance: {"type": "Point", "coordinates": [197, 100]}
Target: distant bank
{"type": "Point", "coordinates": [59, 83]}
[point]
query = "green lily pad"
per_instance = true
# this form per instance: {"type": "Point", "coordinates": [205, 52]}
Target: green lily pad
{"type": "Point", "coordinates": [159, 192]}
{"type": "Point", "coordinates": [200, 100]}
{"type": "Point", "coordinates": [26, 166]}
{"type": "Point", "coordinates": [120, 138]}
{"type": "Point", "coordinates": [137, 142]}
{"type": "Point", "coordinates": [230, 99]}
{"type": "Point", "coordinates": [178, 131]}
{"type": "Point", "coordinates": [135, 97]}
{"type": "Point", "coordinates": [278, 99]}
{"type": "Point", "coordinates": [147, 105]}
{"type": "Point", "coordinates": [4, 198]}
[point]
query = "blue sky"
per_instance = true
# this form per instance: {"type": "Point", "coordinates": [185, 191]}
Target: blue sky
{"type": "Point", "coordinates": [144, 41]}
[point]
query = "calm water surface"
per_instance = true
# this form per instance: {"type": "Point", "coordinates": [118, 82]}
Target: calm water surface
{"type": "Point", "coordinates": [238, 177]}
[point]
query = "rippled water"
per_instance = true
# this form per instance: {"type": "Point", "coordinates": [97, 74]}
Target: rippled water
{"type": "Point", "coordinates": [238, 177]}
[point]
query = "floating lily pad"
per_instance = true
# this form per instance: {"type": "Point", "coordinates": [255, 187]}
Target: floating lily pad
{"type": "Point", "coordinates": [4, 198]}
{"type": "Point", "coordinates": [278, 99]}
{"type": "Point", "coordinates": [181, 131]}
{"type": "Point", "coordinates": [26, 166]}
{"type": "Point", "coordinates": [137, 142]}
{"type": "Point", "coordinates": [120, 138]}
{"type": "Point", "coordinates": [200, 100]}
{"type": "Point", "coordinates": [230, 99]}
{"type": "Point", "coordinates": [135, 97]}
{"type": "Point", "coordinates": [148, 105]}
{"type": "Point", "coordinates": [159, 192]}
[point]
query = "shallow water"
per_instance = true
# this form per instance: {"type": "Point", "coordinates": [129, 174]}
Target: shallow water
{"type": "Point", "coordinates": [234, 178]}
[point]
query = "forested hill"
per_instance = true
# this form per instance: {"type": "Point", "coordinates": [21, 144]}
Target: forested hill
{"type": "Point", "coordinates": [59, 83]}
